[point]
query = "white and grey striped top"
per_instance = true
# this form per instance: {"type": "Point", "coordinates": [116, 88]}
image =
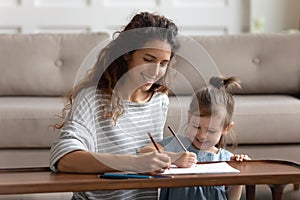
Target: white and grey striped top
{"type": "Point", "coordinates": [85, 130]}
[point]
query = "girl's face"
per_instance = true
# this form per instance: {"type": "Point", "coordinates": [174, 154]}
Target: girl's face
{"type": "Point", "coordinates": [205, 132]}
{"type": "Point", "coordinates": [147, 65]}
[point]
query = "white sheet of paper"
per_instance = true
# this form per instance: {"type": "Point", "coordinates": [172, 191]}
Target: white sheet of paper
{"type": "Point", "coordinates": [220, 167]}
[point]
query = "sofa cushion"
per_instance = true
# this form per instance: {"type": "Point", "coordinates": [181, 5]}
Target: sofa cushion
{"type": "Point", "coordinates": [259, 119]}
{"type": "Point", "coordinates": [266, 63]}
{"type": "Point", "coordinates": [24, 157]}
{"type": "Point", "coordinates": [271, 151]}
{"type": "Point", "coordinates": [25, 121]}
{"type": "Point", "coordinates": [267, 119]}
{"type": "Point", "coordinates": [43, 64]}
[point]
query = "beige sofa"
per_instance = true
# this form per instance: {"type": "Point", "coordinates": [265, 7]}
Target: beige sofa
{"type": "Point", "coordinates": [267, 112]}
{"type": "Point", "coordinates": [38, 69]}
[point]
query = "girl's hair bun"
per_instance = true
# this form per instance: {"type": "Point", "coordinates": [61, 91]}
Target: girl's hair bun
{"type": "Point", "coordinates": [225, 83]}
{"type": "Point", "coordinates": [217, 82]}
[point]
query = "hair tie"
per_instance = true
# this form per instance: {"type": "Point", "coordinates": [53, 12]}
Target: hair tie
{"type": "Point", "coordinates": [217, 82]}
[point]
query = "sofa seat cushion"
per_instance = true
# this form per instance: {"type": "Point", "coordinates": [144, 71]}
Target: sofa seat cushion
{"type": "Point", "coordinates": [267, 119]}
{"type": "Point", "coordinates": [259, 119]}
{"type": "Point", "coordinates": [287, 152]}
{"type": "Point", "coordinates": [28, 157]}
{"type": "Point", "coordinates": [25, 121]}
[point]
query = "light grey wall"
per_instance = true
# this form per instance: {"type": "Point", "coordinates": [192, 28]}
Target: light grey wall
{"type": "Point", "coordinates": [194, 17]}
{"type": "Point", "coordinates": [275, 15]}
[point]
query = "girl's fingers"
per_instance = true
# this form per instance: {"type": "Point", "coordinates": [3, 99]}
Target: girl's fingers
{"type": "Point", "coordinates": [246, 157]}
{"type": "Point", "coordinates": [241, 157]}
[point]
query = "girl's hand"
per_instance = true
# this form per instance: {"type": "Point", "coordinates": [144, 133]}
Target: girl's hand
{"type": "Point", "coordinates": [240, 157]}
{"type": "Point", "coordinates": [184, 159]}
{"type": "Point", "coordinates": [152, 162]}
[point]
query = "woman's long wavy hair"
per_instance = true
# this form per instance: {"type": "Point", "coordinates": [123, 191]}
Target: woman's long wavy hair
{"type": "Point", "coordinates": [111, 64]}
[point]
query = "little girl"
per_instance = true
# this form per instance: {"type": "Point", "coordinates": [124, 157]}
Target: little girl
{"type": "Point", "coordinates": [209, 121]}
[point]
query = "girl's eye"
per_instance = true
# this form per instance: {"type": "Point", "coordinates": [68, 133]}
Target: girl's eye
{"type": "Point", "coordinates": [197, 127]}
{"type": "Point", "coordinates": [164, 64]}
{"type": "Point", "coordinates": [211, 131]}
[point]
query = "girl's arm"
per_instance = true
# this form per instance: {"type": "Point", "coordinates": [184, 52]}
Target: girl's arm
{"type": "Point", "coordinates": [86, 162]}
{"type": "Point", "coordinates": [181, 159]}
{"type": "Point", "coordinates": [235, 192]}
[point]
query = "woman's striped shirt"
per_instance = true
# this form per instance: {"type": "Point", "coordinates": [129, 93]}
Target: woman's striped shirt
{"type": "Point", "coordinates": [86, 130]}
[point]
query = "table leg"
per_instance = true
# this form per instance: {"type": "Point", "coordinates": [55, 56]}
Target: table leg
{"type": "Point", "coordinates": [277, 191]}
{"type": "Point", "coordinates": [250, 192]}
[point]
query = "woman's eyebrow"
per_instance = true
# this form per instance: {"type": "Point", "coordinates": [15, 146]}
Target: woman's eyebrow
{"type": "Point", "coordinates": [147, 54]}
{"type": "Point", "coordinates": [154, 57]}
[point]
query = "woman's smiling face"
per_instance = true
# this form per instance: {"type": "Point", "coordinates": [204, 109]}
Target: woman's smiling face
{"type": "Point", "coordinates": [147, 65]}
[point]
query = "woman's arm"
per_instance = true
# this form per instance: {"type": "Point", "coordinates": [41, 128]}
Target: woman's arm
{"type": "Point", "coordinates": [81, 162]}
{"type": "Point", "coordinates": [86, 162]}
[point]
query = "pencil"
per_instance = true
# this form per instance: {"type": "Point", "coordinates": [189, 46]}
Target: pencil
{"type": "Point", "coordinates": [174, 134]}
{"type": "Point", "coordinates": [154, 143]}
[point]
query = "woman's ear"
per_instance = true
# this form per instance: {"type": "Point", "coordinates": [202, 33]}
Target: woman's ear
{"type": "Point", "coordinates": [228, 128]}
{"type": "Point", "coordinates": [189, 116]}
{"type": "Point", "coordinates": [126, 56]}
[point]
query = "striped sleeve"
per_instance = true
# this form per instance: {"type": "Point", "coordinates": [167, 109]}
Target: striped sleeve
{"type": "Point", "coordinates": [77, 133]}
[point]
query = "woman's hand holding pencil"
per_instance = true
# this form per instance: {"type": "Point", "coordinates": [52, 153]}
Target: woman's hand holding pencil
{"type": "Point", "coordinates": [161, 169]}
{"type": "Point", "coordinates": [183, 159]}
{"type": "Point", "coordinates": [151, 162]}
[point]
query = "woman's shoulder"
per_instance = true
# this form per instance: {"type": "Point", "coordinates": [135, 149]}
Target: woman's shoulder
{"type": "Point", "coordinates": [89, 97]}
{"type": "Point", "coordinates": [85, 92]}
{"type": "Point", "coordinates": [160, 96]}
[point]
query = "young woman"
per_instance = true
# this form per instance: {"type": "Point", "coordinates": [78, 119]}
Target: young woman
{"type": "Point", "coordinates": [122, 98]}
{"type": "Point", "coordinates": [209, 121]}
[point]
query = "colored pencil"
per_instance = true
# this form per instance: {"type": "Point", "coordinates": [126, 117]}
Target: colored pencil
{"type": "Point", "coordinates": [153, 141]}
{"type": "Point", "coordinates": [174, 134]}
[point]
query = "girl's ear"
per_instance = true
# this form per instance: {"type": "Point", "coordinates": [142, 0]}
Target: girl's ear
{"type": "Point", "coordinates": [228, 128]}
